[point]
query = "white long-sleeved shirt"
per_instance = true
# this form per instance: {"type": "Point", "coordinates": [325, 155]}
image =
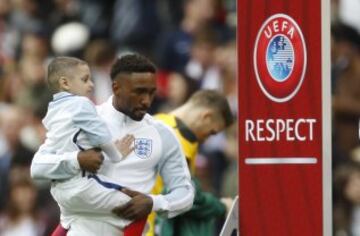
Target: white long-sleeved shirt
{"type": "Point", "coordinates": [156, 151]}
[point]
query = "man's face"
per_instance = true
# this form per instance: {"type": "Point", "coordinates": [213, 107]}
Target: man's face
{"type": "Point", "coordinates": [134, 93]}
{"type": "Point", "coordinates": [80, 82]}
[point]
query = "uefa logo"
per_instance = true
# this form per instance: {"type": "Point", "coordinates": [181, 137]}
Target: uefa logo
{"type": "Point", "coordinates": [280, 58]}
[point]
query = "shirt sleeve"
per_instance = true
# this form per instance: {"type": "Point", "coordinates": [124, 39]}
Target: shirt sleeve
{"type": "Point", "coordinates": [175, 174]}
{"type": "Point", "coordinates": [87, 119]}
{"type": "Point", "coordinates": [46, 165]}
{"type": "Point", "coordinates": [206, 205]}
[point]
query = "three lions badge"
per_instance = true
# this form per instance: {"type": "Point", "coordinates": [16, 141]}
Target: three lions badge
{"type": "Point", "coordinates": [143, 147]}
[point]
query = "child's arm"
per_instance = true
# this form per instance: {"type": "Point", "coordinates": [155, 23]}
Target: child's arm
{"type": "Point", "coordinates": [49, 166]}
{"type": "Point", "coordinates": [126, 145]}
{"type": "Point", "coordinates": [88, 121]}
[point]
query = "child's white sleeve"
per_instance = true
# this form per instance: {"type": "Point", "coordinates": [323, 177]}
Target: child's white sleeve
{"type": "Point", "coordinates": [86, 118]}
{"type": "Point", "coordinates": [46, 165]}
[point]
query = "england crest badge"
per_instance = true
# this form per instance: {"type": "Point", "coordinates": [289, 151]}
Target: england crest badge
{"type": "Point", "coordinates": [143, 147]}
{"type": "Point", "coordinates": [280, 58]}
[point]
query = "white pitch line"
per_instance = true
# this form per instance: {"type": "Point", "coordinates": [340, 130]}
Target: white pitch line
{"type": "Point", "coordinates": [281, 161]}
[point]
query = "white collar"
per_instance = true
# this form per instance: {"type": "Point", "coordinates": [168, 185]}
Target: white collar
{"type": "Point", "coordinates": [118, 115]}
{"type": "Point", "coordinates": [61, 95]}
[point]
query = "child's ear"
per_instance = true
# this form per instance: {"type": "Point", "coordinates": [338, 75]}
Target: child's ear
{"type": "Point", "coordinates": [64, 84]}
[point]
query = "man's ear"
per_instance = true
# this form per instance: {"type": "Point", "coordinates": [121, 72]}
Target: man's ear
{"type": "Point", "coordinates": [63, 83]}
{"type": "Point", "coordinates": [207, 115]}
{"type": "Point", "coordinates": [115, 87]}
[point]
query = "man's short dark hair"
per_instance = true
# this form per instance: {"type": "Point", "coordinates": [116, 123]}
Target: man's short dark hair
{"type": "Point", "coordinates": [61, 66]}
{"type": "Point", "coordinates": [214, 100]}
{"type": "Point", "coordinates": [132, 63]}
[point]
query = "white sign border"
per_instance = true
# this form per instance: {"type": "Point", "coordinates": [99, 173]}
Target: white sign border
{"type": "Point", "coordinates": [326, 118]}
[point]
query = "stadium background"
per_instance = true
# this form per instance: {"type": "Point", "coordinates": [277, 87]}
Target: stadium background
{"type": "Point", "coordinates": [193, 43]}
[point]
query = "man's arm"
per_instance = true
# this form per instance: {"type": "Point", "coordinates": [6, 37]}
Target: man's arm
{"type": "Point", "coordinates": [46, 165]}
{"type": "Point", "coordinates": [206, 205]}
{"type": "Point", "coordinates": [175, 174]}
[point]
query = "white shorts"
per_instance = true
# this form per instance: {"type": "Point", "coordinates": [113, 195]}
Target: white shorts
{"type": "Point", "coordinates": [83, 197]}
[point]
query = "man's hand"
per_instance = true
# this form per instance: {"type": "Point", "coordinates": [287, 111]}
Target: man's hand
{"type": "Point", "coordinates": [125, 145]}
{"type": "Point", "coordinates": [137, 208]}
{"type": "Point", "coordinates": [90, 160]}
{"type": "Point", "coordinates": [228, 203]}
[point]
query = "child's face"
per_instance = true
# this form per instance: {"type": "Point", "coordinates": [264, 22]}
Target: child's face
{"type": "Point", "coordinates": [80, 83]}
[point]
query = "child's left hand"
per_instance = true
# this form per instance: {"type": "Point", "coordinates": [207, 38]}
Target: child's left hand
{"type": "Point", "coordinates": [125, 145]}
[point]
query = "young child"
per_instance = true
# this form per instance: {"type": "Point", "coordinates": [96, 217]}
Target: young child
{"type": "Point", "coordinates": [72, 124]}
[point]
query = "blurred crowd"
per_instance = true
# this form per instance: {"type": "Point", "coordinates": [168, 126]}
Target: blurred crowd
{"type": "Point", "coordinates": [345, 78]}
{"type": "Point", "coordinates": [192, 42]}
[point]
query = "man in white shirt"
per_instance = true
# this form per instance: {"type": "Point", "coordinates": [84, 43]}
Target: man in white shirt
{"type": "Point", "coordinates": [156, 150]}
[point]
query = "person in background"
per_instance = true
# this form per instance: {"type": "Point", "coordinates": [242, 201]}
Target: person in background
{"type": "Point", "coordinates": [206, 113]}
{"type": "Point", "coordinates": [100, 56]}
{"type": "Point", "coordinates": [21, 216]}
{"type": "Point", "coordinates": [346, 198]}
